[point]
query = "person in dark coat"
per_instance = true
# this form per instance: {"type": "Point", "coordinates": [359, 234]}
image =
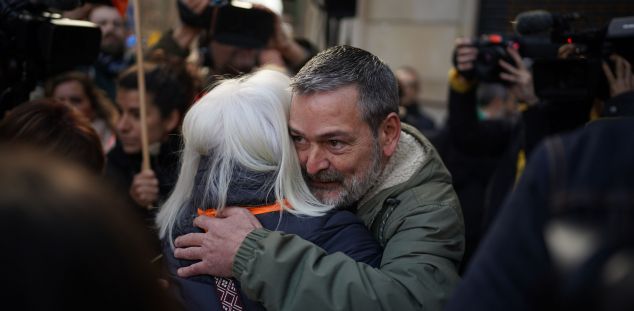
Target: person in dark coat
{"type": "Point", "coordinates": [169, 94]}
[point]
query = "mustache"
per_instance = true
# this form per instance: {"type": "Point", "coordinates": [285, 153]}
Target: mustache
{"type": "Point", "coordinates": [324, 176]}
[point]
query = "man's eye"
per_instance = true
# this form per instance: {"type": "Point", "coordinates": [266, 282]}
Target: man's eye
{"type": "Point", "coordinates": [297, 139]}
{"type": "Point", "coordinates": [75, 100]}
{"type": "Point", "coordinates": [336, 144]}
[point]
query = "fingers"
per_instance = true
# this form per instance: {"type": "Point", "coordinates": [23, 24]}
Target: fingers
{"type": "Point", "coordinates": [231, 211]}
{"type": "Point", "coordinates": [463, 41]}
{"type": "Point", "coordinates": [189, 253]}
{"type": "Point", "coordinates": [189, 240]}
{"type": "Point", "coordinates": [509, 68]}
{"type": "Point", "coordinates": [204, 222]}
{"type": "Point", "coordinates": [240, 216]}
{"type": "Point", "coordinates": [192, 270]}
{"type": "Point", "coordinates": [465, 56]}
{"type": "Point", "coordinates": [608, 73]}
{"type": "Point", "coordinates": [620, 68]}
{"type": "Point", "coordinates": [197, 6]}
{"type": "Point", "coordinates": [509, 77]}
{"type": "Point", "coordinates": [145, 188]}
{"type": "Point", "coordinates": [516, 57]}
{"type": "Point", "coordinates": [566, 50]}
{"type": "Point", "coordinates": [627, 68]}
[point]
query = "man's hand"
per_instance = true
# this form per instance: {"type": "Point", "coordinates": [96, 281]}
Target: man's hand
{"type": "Point", "coordinates": [217, 247]}
{"type": "Point", "coordinates": [466, 54]}
{"type": "Point", "coordinates": [145, 188]}
{"type": "Point", "coordinates": [521, 78]}
{"type": "Point", "coordinates": [196, 6]}
{"type": "Point", "coordinates": [621, 80]}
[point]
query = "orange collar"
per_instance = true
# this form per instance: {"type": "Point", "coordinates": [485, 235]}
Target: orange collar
{"type": "Point", "coordinates": [255, 210]}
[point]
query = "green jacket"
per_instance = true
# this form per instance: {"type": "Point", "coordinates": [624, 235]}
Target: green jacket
{"type": "Point", "coordinates": [415, 215]}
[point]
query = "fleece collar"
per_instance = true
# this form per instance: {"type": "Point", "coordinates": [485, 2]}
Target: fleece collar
{"type": "Point", "coordinates": [404, 163]}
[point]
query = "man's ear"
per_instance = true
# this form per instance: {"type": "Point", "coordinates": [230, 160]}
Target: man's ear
{"type": "Point", "coordinates": [171, 121]}
{"type": "Point", "coordinates": [389, 134]}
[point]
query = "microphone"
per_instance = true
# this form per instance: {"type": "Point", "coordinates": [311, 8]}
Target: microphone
{"type": "Point", "coordinates": [532, 23]}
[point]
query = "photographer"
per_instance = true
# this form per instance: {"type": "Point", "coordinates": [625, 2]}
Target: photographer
{"type": "Point", "coordinates": [239, 54]}
{"type": "Point", "coordinates": [507, 144]}
{"type": "Point", "coordinates": [474, 148]}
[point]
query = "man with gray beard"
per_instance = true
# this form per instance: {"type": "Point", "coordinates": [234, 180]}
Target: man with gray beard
{"type": "Point", "coordinates": [356, 154]}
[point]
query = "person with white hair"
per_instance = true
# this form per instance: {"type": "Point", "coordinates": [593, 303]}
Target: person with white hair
{"type": "Point", "coordinates": [237, 152]}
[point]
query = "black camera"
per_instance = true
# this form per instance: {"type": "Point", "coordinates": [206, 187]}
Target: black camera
{"type": "Point", "coordinates": [234, 23]}
{"type": "Point", "coordinates": [578, 76]}
{"type": "Point", "coordinates": [491, 49]}
{"type": "Point", "coordinates": [36, 43]}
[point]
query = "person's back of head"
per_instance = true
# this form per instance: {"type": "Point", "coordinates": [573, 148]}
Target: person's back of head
{"type": "Point", "coordinates": [54, 128]}
{"type": "Point", "coordinates": [495, 102]}
{"type": "Point", "coordinates": [409, 83]}
{"type": "Point", "coordinates": [344, 65]}
{"type": "Point", "coordinates": [68, 243]}
{"type": "Point", "coordinates": [236, 136]}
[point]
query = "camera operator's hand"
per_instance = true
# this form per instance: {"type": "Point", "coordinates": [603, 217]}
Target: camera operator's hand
{"type": "Point", "coordinates": [282, 41]}
{"type": "Point", "coordinates": [521, 78]}
{"type": "Point", "coordinates": [145, 188]}
{"type": "Point", "coordinates": [567, 51]}
{"type": "Point", "coordinates": [465, 55]}
{"type": "Point", "coordinates": [621, 80]}
{"type": "Point", "coordinates": [196, 6]}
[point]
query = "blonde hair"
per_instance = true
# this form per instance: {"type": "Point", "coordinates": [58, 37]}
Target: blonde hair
{"type": "Point", "coordinates": [241, 122]}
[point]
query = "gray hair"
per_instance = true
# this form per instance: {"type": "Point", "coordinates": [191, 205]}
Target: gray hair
{"type": "Point", "coordinates": [344, 65]}
{"type": "Point", "coordinates": [487, 92]}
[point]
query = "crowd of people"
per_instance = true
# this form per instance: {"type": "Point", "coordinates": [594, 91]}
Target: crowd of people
{"type": "Point", "coordinates": [285, 178]}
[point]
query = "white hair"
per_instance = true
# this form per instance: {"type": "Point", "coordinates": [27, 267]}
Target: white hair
{"type": "Point", "coordinates": [240, 122]}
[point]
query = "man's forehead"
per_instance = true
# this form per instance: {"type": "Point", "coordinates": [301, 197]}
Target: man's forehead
{"type": "Point", "coordinates": [326, 113]}
{"type": "Point", "coordinates": [104, 13]}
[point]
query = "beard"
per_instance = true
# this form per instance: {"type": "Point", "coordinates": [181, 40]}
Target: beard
{"type": "Point", "coordinates": [112, 45]}
{"type": "Point", "coordinates": [351, 188]}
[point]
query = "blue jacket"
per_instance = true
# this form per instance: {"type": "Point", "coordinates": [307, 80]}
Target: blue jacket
{"type": "Point", "coordinates": [587, 178]}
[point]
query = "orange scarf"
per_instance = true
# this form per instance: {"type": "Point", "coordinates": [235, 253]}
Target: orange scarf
{"type": "Point", "coordinates": [255, 210]}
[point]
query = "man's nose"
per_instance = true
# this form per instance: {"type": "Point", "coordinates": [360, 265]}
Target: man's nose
{"type": "Point", "coordinates": [123, 124]}
{"type": "Point", "coordinates": [63, 100]}
{"type": "Point", "coordinates": [107, 28]}
{"type": "Point", "coordinates": [315, 161]}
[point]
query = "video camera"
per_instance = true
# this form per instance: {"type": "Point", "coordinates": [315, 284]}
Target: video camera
{"type": "Point", "coordinates": [36, 43]}
{"type": "Point", "coordinates": [540, 36]}
{"type": "Point", "coordinates": [232, 22]}
{"type": "Point", "coordinates": [580, 75]}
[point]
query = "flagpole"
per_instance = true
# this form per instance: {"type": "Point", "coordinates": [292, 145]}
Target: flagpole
{"type": "Point", "coordinates": [141, 82]}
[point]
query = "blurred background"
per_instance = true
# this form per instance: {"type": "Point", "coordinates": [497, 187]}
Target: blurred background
{"type": "Point", "coordinates": [415, 33]}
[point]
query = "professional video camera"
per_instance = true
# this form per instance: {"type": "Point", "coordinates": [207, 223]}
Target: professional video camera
{"type": "Point", "coordinates": [232, 22]}
{"type": "Point", "coordinates": [36, 43]}
{"type": "Point", "coordinates": [578, 76]}
{"type": "Point", "coordinates": [540, 36]}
